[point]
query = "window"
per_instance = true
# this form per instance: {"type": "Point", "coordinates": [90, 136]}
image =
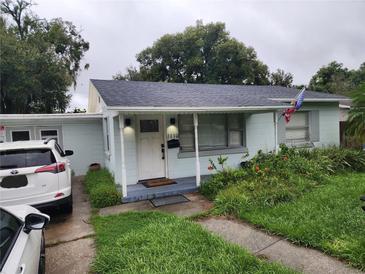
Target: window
{"type": "Point", "coordinates": [9, 230]}
{"type": "Point", "coordinates": [297, 130]}
{"type": "Point", "coordinates": [186, 132]}
{"type": "Point", "coordinates": [212, 131]}
{"type": "Point", "coordinates": [20, 135]}
{"type": "Point", "coordinates": [20, 158]}
{"type": "Point", "coordinates": [49, 133]}
{"type": "Point", "coordinates": [215, 131]}
{"type": "Point", "coordinates": [235, 130]}
{"type": "Point", "coordinates": [148, 125]}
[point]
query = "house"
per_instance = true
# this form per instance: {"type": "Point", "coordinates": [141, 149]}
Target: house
{"type": "Point", "coordinates": [143, 130]}
{"type": "Point", "coordinates": [171, 130]}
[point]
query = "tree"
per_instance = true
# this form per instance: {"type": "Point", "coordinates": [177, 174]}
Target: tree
{"type": "Point", "coordinates": [200, 54]}
{"type": "Point", "coordinates": [39, 60]}
{"type": "Point", "coordinates": [19, 11]}
{"type": "Point", "coordinates": [356, 121]}
{"type": "Point", "coordinates": [358, 76]}
{"type": "Point", "coordinates": [132, 75]}
{"type": "Point", "coordinates": [280, 78]}
{"type": "Point", "coordinates": [335, 78]}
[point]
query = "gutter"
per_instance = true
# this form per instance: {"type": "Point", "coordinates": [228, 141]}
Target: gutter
{"type": "Point", "coordinates": [313, 99]}
{"type": "Point", "coordinates": [193, 109]}
{"type": "Point", "coordinates": [51, 116]}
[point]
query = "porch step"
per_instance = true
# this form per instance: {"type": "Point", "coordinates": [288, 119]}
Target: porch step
{"type": "Point", "coordinates": [140, 195]}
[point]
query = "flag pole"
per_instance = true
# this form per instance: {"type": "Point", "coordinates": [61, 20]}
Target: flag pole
{"type": "Point", "coordinates": [296, 98]}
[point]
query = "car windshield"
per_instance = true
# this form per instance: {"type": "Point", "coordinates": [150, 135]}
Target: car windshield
{"type": "Point", "coordinates": [10, 159]}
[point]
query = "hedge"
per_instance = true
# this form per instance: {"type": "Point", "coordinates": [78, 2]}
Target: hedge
{"type": "Point", "coordinates": [101, 189]}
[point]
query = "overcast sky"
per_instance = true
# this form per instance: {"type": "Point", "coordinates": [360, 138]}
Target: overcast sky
{"type": "Point", "coordinates": [297, 36]}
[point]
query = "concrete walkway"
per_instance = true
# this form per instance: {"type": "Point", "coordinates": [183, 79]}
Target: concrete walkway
{"type": "Point", "coordinates": [197, 204]}
{"type": "Point", "coordinates": [69, 242]}
{"type": "Point", "coordinates": [275, 248]}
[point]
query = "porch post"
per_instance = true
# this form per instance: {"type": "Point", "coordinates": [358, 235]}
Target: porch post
{"type": "Point", "coordinates": [276, 132]}
{"type": "Point", "coordinates": [166, 152]}
{"type": "Point", "coordinates": [122, 155]}
{"type": "Point", "coordinates": [197, 160]}
{"type": "Point", "coordinates": [110, 122]}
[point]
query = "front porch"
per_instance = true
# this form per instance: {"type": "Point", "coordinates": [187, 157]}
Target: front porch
{"type": "Point", "coordinates": [139, 192]}
{"type": "Point", "coordinates": [142, 146]}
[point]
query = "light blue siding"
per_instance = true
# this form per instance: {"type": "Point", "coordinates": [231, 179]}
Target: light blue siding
{"type": "Point", "coordinates": [185, 167]}
{"type": "Point", "coordinates": [83, 136]}
{"type": "Point", "coordinates": [260, 132]}
{"type": "Point", "coordinates": [130, 152]}
{"type": "Point", "coordinates": [86, 140]}
{"type": "Point", "coordinates": [329, 123]}
{"type": "Point", "coordinates": [329, 131]}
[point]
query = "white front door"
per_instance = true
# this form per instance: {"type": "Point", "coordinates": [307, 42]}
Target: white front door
{"type": "Point", "coordinates": [150, 145]}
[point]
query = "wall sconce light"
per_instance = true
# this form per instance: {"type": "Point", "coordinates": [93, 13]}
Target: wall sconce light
{"type": "Point", "coordinates": [172, 121]}
{"type": "Point", "coordinates": [127, 122]}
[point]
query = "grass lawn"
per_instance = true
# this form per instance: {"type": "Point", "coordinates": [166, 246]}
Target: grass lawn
{"type": "Point", "coordinates": [328, 218]}
{"type": "Point", "coordinates": [153, 242]}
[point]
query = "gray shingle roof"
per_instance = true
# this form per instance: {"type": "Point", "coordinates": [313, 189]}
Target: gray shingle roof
{"type": "Point", "coordinates": [158, 94]}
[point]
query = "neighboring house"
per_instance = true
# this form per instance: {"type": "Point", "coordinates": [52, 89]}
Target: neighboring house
{"type": "Point", "coordinates": [153, 129]}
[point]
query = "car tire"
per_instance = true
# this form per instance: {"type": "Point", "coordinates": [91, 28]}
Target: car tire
{"type": "Point", "coordinates": [68, 207]}
{"type": "Point", "coordinates": [42, 257]}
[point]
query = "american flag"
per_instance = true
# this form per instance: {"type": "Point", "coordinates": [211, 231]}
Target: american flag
{"type": "Point", "coordinates": [298, 102]}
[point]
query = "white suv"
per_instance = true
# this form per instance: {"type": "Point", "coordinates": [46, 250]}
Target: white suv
{"type": "Point", "coordinates": [35, 173]}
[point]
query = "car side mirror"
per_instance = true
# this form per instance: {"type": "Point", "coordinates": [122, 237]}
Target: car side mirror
{"type": "Point", "coordinates": [35, 221]}
{"type": "Point", "coordinates": [68, 153]}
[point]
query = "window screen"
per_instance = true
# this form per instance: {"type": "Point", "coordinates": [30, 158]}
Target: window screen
{"type": "Point", "coordinates": [21, 135]}
{"type": "Point", "coordinates": [149, 125]}
{"type": "Point", "coordinates": [212, 131]}
{"type": "Point", "coordinates": [49, 133]}
{"type": "Point", "coordinates": [11, 159]}
{"type": "Point", "coordinates": [215, 131]}
{"type": "Point", "coordinates": [297, 130]}
{"type": "Point", "coordinates": [186, 132]}
{"type": "Point", "coordinates": [235, 130]}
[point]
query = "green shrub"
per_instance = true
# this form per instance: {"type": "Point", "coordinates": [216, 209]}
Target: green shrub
{"type": "Point", "coordinates": [101, 189]}
{"type": "Point", "coordinates": [221, 180]}
{"type": "Point", "coordinates": [260, 192]}
{"type": "Point", "coordinates": [345, 159]}
{"type": "Point", "coordinates": [269, 179]}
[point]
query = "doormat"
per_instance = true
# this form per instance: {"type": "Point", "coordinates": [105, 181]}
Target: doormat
{"type": "Point", "coordinates": [170, 200]}
{"type": "Point", "coordinates": [158, 182]}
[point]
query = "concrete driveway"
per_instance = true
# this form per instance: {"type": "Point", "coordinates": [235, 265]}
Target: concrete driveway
{"type": "Point", "coordinates": [69, 242]}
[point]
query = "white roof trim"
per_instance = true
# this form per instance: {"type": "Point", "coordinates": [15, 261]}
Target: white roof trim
{"type": "Point", "coordinates": [193, 109]}
{"type": "Point", "coordinates": [312, 99]}
{"type": "Point", "coordinates": [51, 116]}
{"type": "Point", "coordinates": [345, 106]}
